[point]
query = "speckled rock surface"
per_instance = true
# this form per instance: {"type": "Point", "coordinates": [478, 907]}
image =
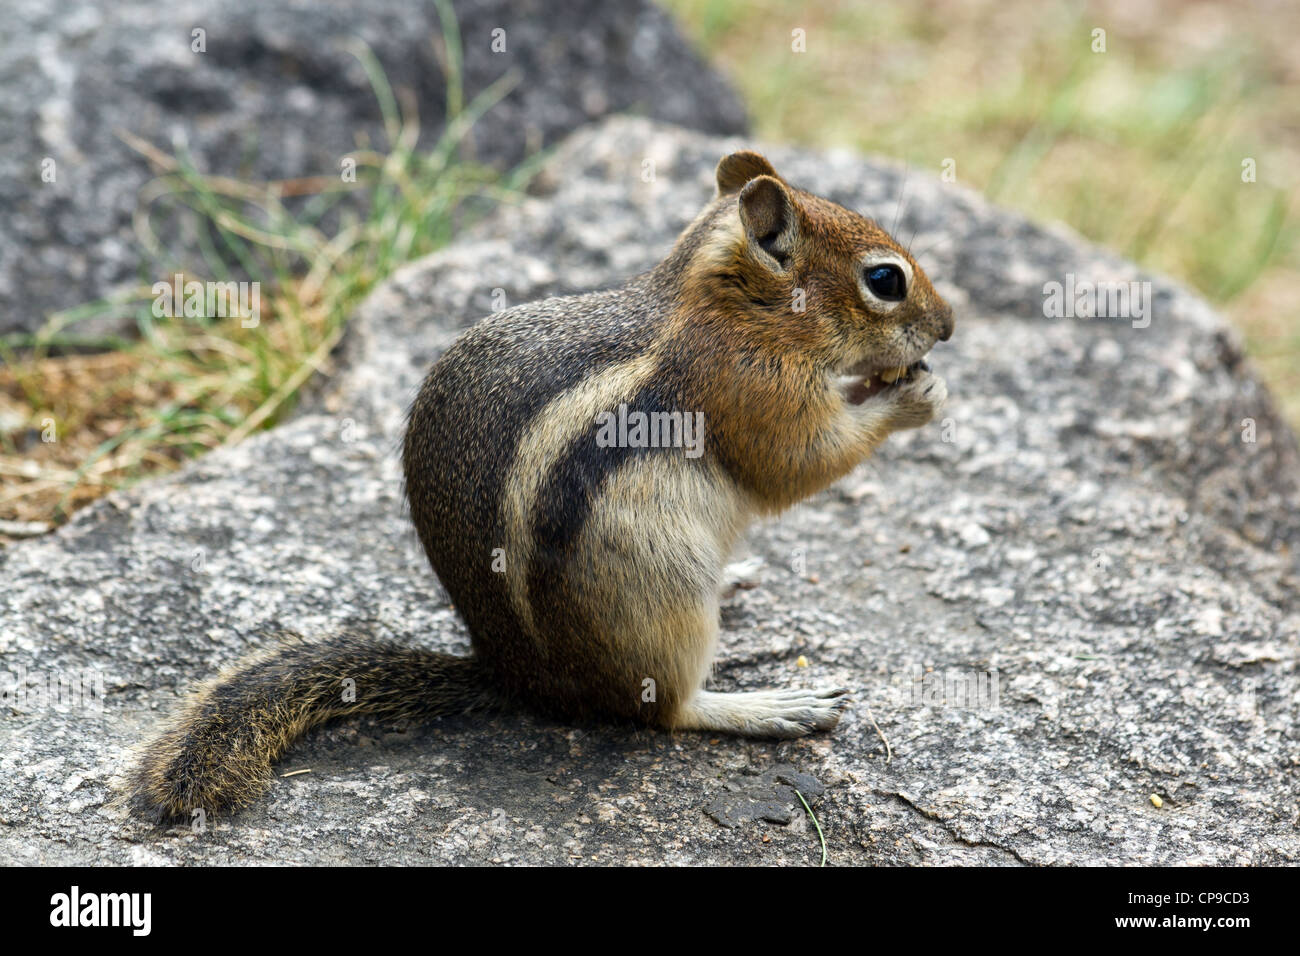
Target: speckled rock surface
{"type": "Point", "coordinates": [1076, 592]}
{"type": "Point", "coordinates": [275, 93]}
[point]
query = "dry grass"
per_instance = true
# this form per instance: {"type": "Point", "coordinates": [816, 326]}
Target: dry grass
{"type": "Point", "coordinates": [73, 427]}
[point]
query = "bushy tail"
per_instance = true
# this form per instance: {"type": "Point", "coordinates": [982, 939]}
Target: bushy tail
{"type": "Point", "coordinates": [218, 751]}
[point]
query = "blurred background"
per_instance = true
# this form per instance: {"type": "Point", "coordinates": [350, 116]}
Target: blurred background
{"type": "Point", "coordinates": [1139, 148]}
{"type": "Point", "coordinates": [1142, 140]}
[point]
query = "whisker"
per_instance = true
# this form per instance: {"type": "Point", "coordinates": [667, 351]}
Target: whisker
{"type": "Point", "coordinates": [902, 194]}
{"type": "Point", "coordinates": [932, 246]}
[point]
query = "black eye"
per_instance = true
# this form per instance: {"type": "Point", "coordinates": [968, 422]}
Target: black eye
{"type": "Point", "coordinates": [887, 282]}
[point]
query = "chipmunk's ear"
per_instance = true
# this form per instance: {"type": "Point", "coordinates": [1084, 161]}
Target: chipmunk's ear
{"type": "Point", "coordinates": [771, 222]}
{"type": "Point", "coordinates": [739, 168]}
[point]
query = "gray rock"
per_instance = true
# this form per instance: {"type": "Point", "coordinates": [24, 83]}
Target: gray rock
{"type": "Point", "coordinates": [772, 796]}
{"type": "Point", "coordinates": [277, 95]}
{"type": "Point", "coordinates": [1077, 591]}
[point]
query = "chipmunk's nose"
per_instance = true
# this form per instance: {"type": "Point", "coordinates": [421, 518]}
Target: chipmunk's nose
{"type": "Point", "coordinates": [943, 316]}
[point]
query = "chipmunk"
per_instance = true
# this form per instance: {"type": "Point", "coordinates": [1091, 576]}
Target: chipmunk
{"type": "Point", "coordinates": [782, 339]}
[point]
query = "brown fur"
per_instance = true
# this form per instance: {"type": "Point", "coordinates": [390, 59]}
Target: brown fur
{"type": "Point", "coordinates": [606, 605]}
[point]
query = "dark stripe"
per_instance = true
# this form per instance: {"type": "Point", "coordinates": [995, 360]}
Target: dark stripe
{"type": "Point", "coordinates": [566, 498]}
{"type": "Point", "coordinates": [472, 411]}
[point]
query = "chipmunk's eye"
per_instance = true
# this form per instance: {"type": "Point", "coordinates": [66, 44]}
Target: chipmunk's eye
{"type": "Point", "coordinates": [887, 282]}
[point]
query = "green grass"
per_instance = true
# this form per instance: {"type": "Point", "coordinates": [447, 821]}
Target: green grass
{"type": "Point", "coordinates": [820, 836]}
{"type": "Point", "coordinates": [187, 385]}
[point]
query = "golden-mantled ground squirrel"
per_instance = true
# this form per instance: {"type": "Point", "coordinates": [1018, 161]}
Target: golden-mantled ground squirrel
{"type": "Point", "coordinates": [579, 470]}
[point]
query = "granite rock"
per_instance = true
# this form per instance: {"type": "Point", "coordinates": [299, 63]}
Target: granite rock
{"type": "Point", "coordinates": [1076, 591]}
{"type": "Point", "coordinates": [276, 93]}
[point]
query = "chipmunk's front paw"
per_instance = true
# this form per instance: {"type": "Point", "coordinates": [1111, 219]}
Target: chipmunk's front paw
{"type": "Point", "coordinates": [917, 400]}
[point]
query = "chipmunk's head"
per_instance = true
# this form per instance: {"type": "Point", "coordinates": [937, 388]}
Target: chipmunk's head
{"type": "Point", "coordinates": [821, 277]}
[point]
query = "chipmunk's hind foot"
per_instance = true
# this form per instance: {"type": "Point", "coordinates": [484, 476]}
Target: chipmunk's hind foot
{"type": "Point", "coordinates": [766, 713]}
